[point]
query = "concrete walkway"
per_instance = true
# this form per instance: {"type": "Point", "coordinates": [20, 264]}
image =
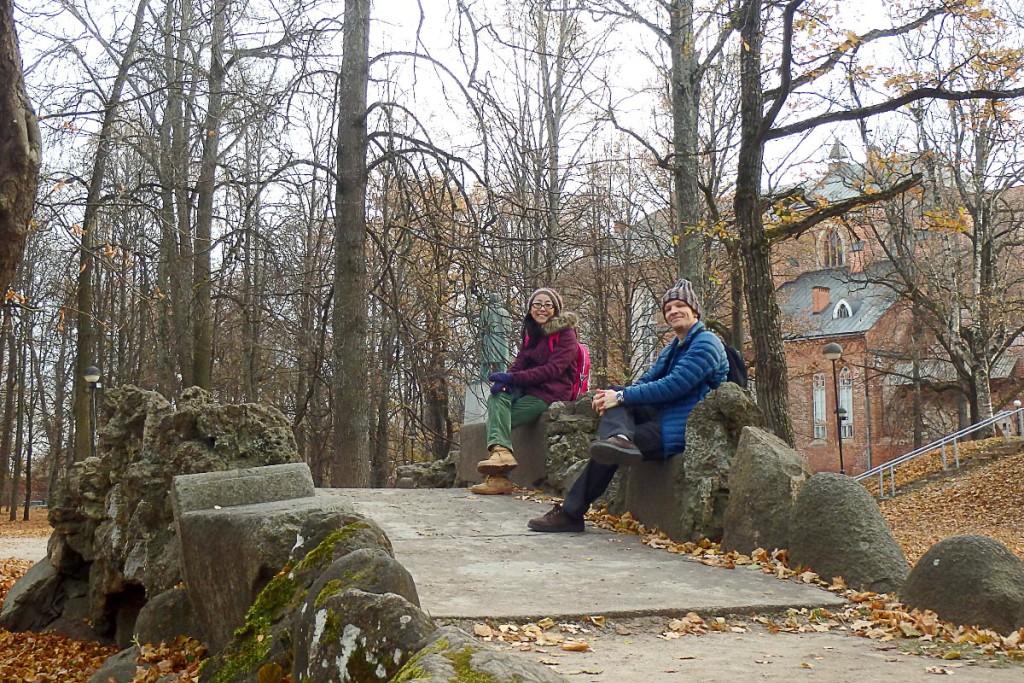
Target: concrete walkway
{"type": "Point", "coordinates": [473, 558]}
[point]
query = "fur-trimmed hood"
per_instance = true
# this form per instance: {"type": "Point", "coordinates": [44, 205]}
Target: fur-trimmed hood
{"type": "Point", "coordinates": [564, 321]}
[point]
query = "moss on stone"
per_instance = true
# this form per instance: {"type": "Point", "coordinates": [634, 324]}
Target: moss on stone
{"type": "Point", "coordinates": [252, 641]}
{"type": "Point", "coordinates": [412, 671]}
{"type": "Point", "coordinates": [464, 671]}
{"type": "Point", "coordinates": [322, 555]}
{"type": "Point", "coordinates": [330, 588]}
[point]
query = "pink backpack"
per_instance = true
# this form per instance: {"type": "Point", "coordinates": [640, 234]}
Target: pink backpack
{"type": "Point", "coordinates": [581, 368]}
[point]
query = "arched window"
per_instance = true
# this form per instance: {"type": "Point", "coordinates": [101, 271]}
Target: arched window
{"type": "Point", "coordinates": [842, 309]}
{"type": "Point", "coordinates": [846, 400]}
{"type": "Point", "coordinates": [818, 401]}
{"type": "Point", "coordinates": [834, 251]}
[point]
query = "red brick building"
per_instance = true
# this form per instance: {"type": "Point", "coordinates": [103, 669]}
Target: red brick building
{"type": "Point", "coordinates": [831, 287]}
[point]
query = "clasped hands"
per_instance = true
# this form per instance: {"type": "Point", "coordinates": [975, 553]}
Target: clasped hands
{"type": "Point", "coordinates": [603, 400]}
{"type": "Point", "coordinates": [502, 381]}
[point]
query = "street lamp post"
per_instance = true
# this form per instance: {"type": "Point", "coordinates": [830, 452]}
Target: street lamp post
{"type": "Point", "coordinates": [92, 376]}
{"type": "Point", "coordinates": [1020, 418]}
{"type": "Point", "coordinates": [834, 352]}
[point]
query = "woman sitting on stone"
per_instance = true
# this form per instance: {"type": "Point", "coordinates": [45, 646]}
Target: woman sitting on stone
{"type": "Point", "coordinates": [541, 374]}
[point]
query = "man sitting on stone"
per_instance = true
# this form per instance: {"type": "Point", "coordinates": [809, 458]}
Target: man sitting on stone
{"type": "Point", "coordinates": [647, 420]}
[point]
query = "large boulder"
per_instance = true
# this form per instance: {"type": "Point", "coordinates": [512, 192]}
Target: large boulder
{"type": "Point", "coordinates": [763, 482]}
{"type": "Point", "coordinates": [232, 553]}
{"type": "Point", "coordinates": [329, 603]}
{"type": "Point", "coordinates": [35, 600]}
{"type": "Point", "coordinates": [838, 530]}
{"type": "Point", "coordinates": [112, 517]}
{"type": "Point", "coordinates": [267, 639]}
{"type": "Point", "coordinates": [686, 495]}
{"type": "Point", "coordinates": [359, 636]}
{"type": "Point", "coordinates": [454, 655]}
{"type": "Point", "coordinates": [971, 580]}
{"type": "Point", "coordinates": [167, 616]}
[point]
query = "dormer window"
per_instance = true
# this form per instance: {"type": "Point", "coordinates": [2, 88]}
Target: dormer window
{"type": "Point", "coordinates": [842, 310]}
{"type": "Point", "coordinates": [835, 255]}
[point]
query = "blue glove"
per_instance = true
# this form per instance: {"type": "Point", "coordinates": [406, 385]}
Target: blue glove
{"type": "Point", "coordinates": [502, 377]}
{"type": "Point", "coordinates": [498, 387]}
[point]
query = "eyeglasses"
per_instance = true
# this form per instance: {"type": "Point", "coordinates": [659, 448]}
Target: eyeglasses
{"type": "Point", "coordinates": [538, 306]}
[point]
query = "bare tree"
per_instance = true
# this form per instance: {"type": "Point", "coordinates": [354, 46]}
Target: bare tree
{"type": "Point", "coordinates": [349, 324]}
{"type": "Point", "coordinates": [760, 111]}
{"type": "Point", "coordinates": [19, 149]}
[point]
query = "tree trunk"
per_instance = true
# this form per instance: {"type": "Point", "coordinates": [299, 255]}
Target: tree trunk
{"type": "Point", "coordinates": [19, 150]}
{"type": "Point", "coordinates": [202, 306]}
{"type": "Point", "coordinates": [19, 438]}
{"type": "Point", "coordinates": [6, 429]}
{"type": "Point", "coordinates": [772, 383]}
{"type": "Point", "coordinates": [87, 280]}
{"type": "Point", "coordinates": [685, 93]}
{"type": "Point", "coordinates": [351, 466]}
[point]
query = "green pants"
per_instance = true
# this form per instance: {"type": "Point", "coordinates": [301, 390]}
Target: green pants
{"type": "Point", "coordinates": [505, 413]}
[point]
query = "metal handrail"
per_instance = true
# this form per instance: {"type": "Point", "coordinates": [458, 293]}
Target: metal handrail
{"type": "Point", "coordinates": [953, 439]}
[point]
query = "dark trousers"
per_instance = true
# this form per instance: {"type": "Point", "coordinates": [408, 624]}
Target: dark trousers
{"type": "Point", "coordinates": [642, 424]}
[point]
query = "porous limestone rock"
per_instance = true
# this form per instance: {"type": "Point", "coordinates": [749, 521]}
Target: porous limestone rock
{"type": "Point", "coordinates": [112, 515]}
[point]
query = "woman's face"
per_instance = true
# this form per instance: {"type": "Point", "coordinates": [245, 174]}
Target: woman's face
{"type": "Point", "coordinates": [542, 309]}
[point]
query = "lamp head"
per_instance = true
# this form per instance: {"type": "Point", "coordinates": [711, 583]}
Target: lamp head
{"type": "Point", "coordinates": [832, 351]}
{"type": "Point", "coordinates": [92, 374]}
{"type": "Point", "coordinates": [1016, 403]}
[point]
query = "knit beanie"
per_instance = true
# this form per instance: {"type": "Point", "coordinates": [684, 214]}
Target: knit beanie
{"type": "Point", "coordinates": [683, 291]}
{"type": "Point", "coordinates": [552, 294]}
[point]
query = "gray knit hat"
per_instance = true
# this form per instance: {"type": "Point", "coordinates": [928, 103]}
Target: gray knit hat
{"type": "Point", "coordinates": [555, 298]}
{"type": "Point", "coordinates": [683, 291]}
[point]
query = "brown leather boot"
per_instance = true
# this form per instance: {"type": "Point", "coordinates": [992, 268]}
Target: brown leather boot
{"type": "Point", "coordinates": [500, 461]}
{"type": "Point", "coordinates": [493, 485]}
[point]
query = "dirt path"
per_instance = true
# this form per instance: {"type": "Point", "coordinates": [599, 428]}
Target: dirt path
{"type": "Point", "coordinates": [29, 548]}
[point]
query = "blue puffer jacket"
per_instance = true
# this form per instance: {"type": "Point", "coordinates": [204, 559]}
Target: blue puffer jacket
{"type": "Point", "coordinates": [683, 374]}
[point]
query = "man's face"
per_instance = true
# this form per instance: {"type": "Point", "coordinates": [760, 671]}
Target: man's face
{"type": "Point", "coordinates": [680, 317]}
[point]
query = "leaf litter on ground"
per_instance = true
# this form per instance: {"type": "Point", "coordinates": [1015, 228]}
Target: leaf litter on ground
{"type": "Point", "coordinates": [985, 497]}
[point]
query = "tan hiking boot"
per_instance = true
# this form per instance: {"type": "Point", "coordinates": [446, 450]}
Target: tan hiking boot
{"type": "Point", "coordinates": [500, 461]}
{"type": "Point", "coordinates": [493, 485]}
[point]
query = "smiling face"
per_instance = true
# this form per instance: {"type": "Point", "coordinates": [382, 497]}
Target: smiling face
{"type": "Point", "coordinates": [542, 308]}
{"type": "Point", "coordinates": [680, 317]}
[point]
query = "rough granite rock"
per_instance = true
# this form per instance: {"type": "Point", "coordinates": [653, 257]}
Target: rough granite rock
{"type": "Point", "coordinates": [112, 517]}
{"type": "Point", "coordinates": [971, 580]}
{"type": "Point", "coordinates": [232, 554]}
{"type": "Point", "coordinates": [119, 668]}
{"type": "Point", "coordinates": [266, 638]}
{"type": "Point", "coordinates": [369, 570]}
{"type": "Point", "coordinates": [34, 601]}
{"type": "Point", "coordinates": [765, 477]}
{"type": "Point", "coordinates": [359, 636]}
{"type": "Point", "coordinates": [838, 530]}
{"type": "Point", "coordinates": [167, 616]}
{"type": "Point", "coordinates": [453, 655]}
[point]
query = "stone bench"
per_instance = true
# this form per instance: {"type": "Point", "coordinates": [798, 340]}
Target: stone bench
{"type": "Point", "coordinates": [686, 495]}
{"type": "Point", "coordinates": [529, 443]}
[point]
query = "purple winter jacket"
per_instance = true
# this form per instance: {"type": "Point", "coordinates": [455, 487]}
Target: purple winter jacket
{"type": "Point", "coordinates": [544, 372]}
